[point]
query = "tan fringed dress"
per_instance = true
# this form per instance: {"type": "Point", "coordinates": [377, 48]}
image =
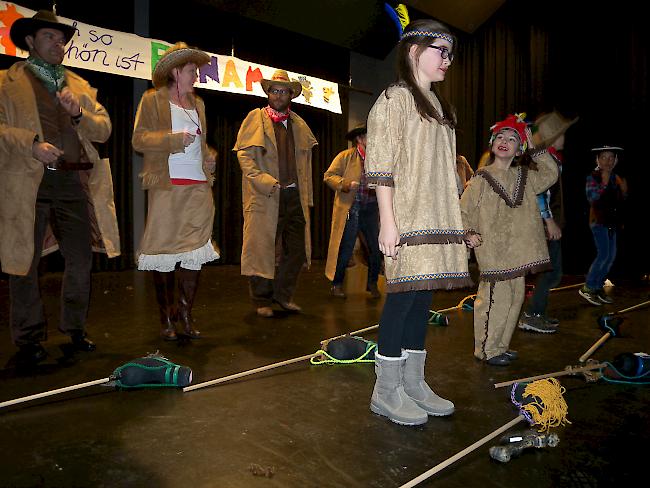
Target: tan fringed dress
{"type": "Point", "coordinates": [417, 157]}
{"type": "Point", "coordinates": [501, 205]}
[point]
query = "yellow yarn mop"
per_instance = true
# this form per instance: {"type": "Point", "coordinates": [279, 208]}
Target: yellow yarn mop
{"type": "Point", "coordinates": [540, 403]}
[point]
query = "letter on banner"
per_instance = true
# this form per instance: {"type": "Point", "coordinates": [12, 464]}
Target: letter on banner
{"type": "Point", "coordinates": [231, 76]}
{"type": "Point", "coordinates": [211, 69]}
{"type": "Point", "coordinates": [252, 76]}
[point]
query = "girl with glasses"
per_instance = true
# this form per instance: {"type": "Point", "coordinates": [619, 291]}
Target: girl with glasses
{"type": "Point", "coordinates": [411, 161]}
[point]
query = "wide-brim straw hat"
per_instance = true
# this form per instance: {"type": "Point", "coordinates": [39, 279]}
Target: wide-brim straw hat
{"type": "Point", "coordinates": [551, 126]}
{"type": "Point", "coordinates": [178, 55]}
{"type": "Point", "coordinates": [43, 19]}
{"type": "Point", "coordinates": [281, 78]}
{"type": "Point", "coordinates": [357, 131]}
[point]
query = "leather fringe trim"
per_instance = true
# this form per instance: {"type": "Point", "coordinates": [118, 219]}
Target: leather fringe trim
{"type": "Point", "coordinates": [379, 181]}
{"type": "Point", "coordinates": [516, 273]}
{"type": "Point", "coordinates": [520, 187]}
{"type": "Point", "coordinates": [430, 284]}
{"type": "Point", "coordinates": [432, 239]}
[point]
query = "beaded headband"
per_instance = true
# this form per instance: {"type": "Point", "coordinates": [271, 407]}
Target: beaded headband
{"type": "Point", "coordinates": [435, 35]}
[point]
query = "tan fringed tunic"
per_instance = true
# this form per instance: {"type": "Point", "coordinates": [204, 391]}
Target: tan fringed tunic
{"type": "Point", "coordinates": [417, 157]}
{"type": "Point", "coordinates": [501, 205]}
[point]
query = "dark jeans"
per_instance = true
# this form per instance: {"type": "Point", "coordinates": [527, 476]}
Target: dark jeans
{"type": "Point", "coordinates": [403, 322]}
{"type": "Point", "coordinates": [71, 226]}
{"type": "Point", "coordinates": [605, 240]}
{"type": "Point", "coordinates": [362, 218]}
{"type": "Point", "coordinates": [546, 280]}
{"type": "Point", "coordinates": [290, 234]}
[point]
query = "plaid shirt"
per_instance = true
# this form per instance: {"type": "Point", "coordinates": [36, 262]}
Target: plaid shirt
{"type": "Point", "coordinates": [605, 199]}
{"type": "Point", "coordinates": [364, 194]}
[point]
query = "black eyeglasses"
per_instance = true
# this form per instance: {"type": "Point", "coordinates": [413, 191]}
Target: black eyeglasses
{"type": "Point", "coordinates": [279, 91]}
{"type": "Point", "coordinates": [444, 52]}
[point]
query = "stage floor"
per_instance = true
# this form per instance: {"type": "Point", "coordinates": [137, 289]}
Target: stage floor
{"type": "Point", "coordinates": [303, 425]}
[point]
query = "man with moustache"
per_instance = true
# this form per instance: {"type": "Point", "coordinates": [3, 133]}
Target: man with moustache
{"type": "Point", "coordinates": [51, 180]}
{"type": "Point", "coordinates": [274, 149]}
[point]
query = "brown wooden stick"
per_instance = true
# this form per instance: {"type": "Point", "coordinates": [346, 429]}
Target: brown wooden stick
{"type": "Point", "coordinates": [54, 392]}
{"type": "Point", "coordinates": [593, 348]}
{"type": "Point", "coordinates": [462, 453]}
{"type": "Point", "coordinates": [568, 371]}
{"type": "Point", "coordinates": [250, 372]}
{"type": "Point", "coordinates": [567, 287]}
{"type": "Point", "coordinates": [629, 309]}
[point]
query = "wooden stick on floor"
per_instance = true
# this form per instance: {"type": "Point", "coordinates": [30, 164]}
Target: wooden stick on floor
{"type": "Point", "coordinates": [462, 453]}
{"type": "Point", "coordinates": [634, 307]}
{"type": "Point", "coordinates": [593, 348]}
{"type": "Point", "coordinates": [250, 372]}
{"type": "Point", "coordinates": [570, 370]}
{"type": "Point", "coordinates": [567, 287]}
{"type": "Point", "coordinates": [55, 392]}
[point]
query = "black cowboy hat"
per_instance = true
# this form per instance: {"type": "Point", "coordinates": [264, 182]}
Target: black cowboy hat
{"type": "Point", "coordinates": [43, 19]}
{"type": "Point", "coordinates": [357, 131]}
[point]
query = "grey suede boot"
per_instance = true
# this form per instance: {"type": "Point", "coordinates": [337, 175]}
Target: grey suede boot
{"type": "Point", "coordinates": [388, 397]}
{"type": "Point", "coordinates": [418, 390]}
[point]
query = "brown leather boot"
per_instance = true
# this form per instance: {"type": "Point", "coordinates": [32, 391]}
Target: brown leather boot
{"type": "Point", "coordinates": [188, 283]}
{"type": "Point", "coordinates": [164, 284]}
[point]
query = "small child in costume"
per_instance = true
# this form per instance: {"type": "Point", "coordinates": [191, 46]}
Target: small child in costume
{"type": "Point", "coordinates": [606, 192]}
{"type": "Point", "coordinates": [499, 208]}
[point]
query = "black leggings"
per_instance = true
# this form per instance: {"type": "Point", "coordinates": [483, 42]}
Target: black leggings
{"type": "Point", "coordinates": [403, 323]}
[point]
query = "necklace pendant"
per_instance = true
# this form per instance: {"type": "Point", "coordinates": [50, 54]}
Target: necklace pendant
{"type": "Point", "coordinates": [198, 131]}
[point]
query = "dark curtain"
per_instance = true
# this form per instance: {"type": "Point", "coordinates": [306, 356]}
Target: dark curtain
{"type": "Point", "coordinates": [587, 62]}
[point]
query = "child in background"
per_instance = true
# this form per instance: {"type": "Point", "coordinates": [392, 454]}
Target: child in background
{"type": "Point", "coordinates": [499, 208]}
{"type": "Point", "coordinates": [605, 193]}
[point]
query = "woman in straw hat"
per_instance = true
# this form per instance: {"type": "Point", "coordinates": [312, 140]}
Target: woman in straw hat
{"type": "Point", "coordinates": [170, 130]}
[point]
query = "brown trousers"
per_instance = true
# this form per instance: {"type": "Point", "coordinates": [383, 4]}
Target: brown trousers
{"type": "Point", "coordinates": [496, 313]}
{"type": "Point", "coordinates": [290, 245]}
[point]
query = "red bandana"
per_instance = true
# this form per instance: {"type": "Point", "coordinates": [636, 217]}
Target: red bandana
{"type": "Point", "coordinates": [558, 155]}
{"type": "Point", "coordinates": [362, 151]}
{"type": "Point", "coordinates": [275, 115]}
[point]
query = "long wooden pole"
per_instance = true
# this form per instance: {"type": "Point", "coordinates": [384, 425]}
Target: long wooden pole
{"type": "Point", "coordinates": [249, 372]}
{"type": "Point", "coordinates": [568, 371]}
{"type": "Point", "coordinates": [462, 453]}
{"type": "Point", "coordinates": [54, 392]}
{"type": "Point", "coordinates": [567, 287]}
{"type": "Point", "coordinates": [593, 348]}
{"type": "Point", "coordinates": [634, 307]}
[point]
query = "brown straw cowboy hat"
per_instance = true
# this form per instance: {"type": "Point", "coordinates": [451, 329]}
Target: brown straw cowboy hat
{"type": "Point", "coordinates": [550, 127]}
{"type": "Point", "coordinates": [178, 55]}
{"type": "Point", "coordinates": [281, 78]}
{"type": "Point", "coordinates": [43, 19]}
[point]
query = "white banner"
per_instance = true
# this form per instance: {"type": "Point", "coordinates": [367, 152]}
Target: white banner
{"type": "Point", "coordinates": [119, 53]}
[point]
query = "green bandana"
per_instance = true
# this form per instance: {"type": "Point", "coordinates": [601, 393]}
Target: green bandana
{"type": "Point", "coordinates": [53, 75]}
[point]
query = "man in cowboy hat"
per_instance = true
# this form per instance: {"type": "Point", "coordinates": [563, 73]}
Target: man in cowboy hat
{"type": "Point", "coordinates": [51, 177]}
{"type": "Point", "coordinates": [550, 134]}
{"type": "Point", "coordinates": [355, 210]}
{"type": "Point", "coordinates": [274, 149]}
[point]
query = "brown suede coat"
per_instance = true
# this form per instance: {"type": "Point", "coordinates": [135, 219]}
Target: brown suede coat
{"type": "Point", "coordinates": [21, 174]}
{"type": "Point", "coordinates": [345, 168]}
{"type": "Point", "coordinates": [152, 137]}
{"type": "Point", "coordinates": [258, 158]}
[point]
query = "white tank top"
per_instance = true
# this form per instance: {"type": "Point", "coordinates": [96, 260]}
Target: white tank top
{"type": "Point", "coordinates": [189, 164]}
